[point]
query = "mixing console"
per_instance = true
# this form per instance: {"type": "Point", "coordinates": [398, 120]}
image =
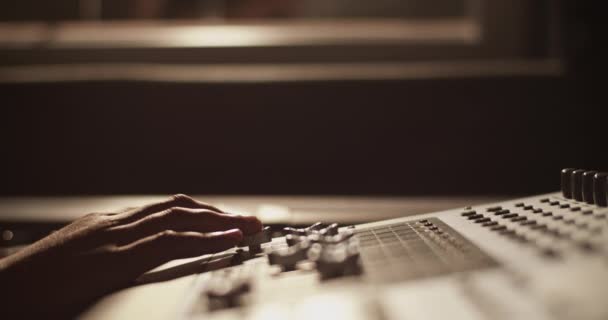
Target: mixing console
{"type": "Point", "coordinates": [541, 257]}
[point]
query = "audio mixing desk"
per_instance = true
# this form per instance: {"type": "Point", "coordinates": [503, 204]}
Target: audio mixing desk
{"type": "Point", "coordinates": [540, 257]}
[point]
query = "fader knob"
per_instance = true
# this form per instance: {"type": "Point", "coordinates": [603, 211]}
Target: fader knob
{"type": "Point", "coordinates": [567, 182]}
{"type": "Point", "coordinates": [254, 241]}
{"type": "Point", "coordinates": [315, 227]}
{"type": "Point", "coordinates": [337, 261]}
{"type": "Point", "coordinates": [225, 293]}
{"type": "Point", "coordinates": [293, 239]}
{"type": "Point", "coordinates": [288, 258]}
{"type": "Point", "coordinates": [588, 186]}
{"type": "Point", "coordinates": [600, 189]}
{"type": "Point", "coordinates": [576, 183]}
{"type": "Point", "coordinates": [331, 230]}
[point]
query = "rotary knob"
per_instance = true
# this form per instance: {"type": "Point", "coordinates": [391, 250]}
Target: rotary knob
{"type": "Point", "coordinates": [600, 189]}
{"type": "Point", "coordinates": [576, 183]}
{"type": "Point", "coordinates": [567, 182]}
{"type": "Point", "coordinates": [587, 186]}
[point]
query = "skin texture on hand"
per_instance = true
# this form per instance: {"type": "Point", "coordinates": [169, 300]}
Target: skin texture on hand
{"type": "Point", "coordinates": [103, 252]}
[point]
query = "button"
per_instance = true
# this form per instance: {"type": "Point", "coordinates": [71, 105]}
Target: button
{"type": "Point", "coordinates": [554, 203]}
{"type": "Point", "coordinates": [550, 253]}
{"type": "Point", "coordinates": [520, 218]}
{"type": "Point", "coordinates": [501, 212]}
{"type": "Point", "coordinates": [510, 215]}
{"type": "Point", "coordinates": [475, 216]}
{"type": "Point", "coordinates": [546, 214]}
{"type": "Point", "coordinates": [482, 220]}
{"type": "Point", "coordinates": [543, 200]}
{"type": "Point", "coordinates": [528, 207]}
{"type": "Point", "coordinates": [558, 218]}
{"type": "Point", "coordinates": [537, 210]}
{"type": "Point", "coordinates": [576, 183]}
{"type": "Point", "coordinates": [507, 232]}
{"type": "Point", "coordinates": [489, 224]}
{"type": "Point", "coordinates": [600, 189]}
{"type": "Point", "coordinates": [467, 213]}
{"type": "Point", "coordinates": [587, 246]}
{"type": "Point", "coordinates": [587, 186]}
{"type": "Point", "coordinates": [564, 206]}
{"type": "Point", "coordinates": [574, 209]}
{"type": "Point", "coordinates": [567, 182]}
{"type": "Point", "coordinates": [498, 228]}
{"type": "Point", "coordinates": [528, 222]}
{"type": "Point", "coordinates": [494, 209]}
{"type": "Point", "coordinates": [519, 204]}
{"type": "Point", "coordinates": [587, 212]}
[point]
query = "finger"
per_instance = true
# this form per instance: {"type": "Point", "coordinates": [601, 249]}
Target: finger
{"type": "Point", "coordinates": [183, 219]}
{"type": "Point", "coordinates": [152, 251]}
{"type": "Point", "coordinates": [178, 200]}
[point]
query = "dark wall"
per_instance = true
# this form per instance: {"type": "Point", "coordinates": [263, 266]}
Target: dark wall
{"type": "Point", "coordinates": [484, 136]}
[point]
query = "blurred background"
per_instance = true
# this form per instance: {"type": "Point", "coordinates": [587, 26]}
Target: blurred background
{"type": "Point", "coordinates": [323, 97]}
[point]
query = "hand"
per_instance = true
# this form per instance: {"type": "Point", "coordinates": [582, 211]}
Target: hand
{"type": "Point", "coordinates": [102, 252]}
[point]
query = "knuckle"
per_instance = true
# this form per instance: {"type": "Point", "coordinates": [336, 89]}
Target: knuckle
{"type": "Point", "coordinates": [181, 199]}
{"type": "Point", "coordinates": [166, 235]}
{"type": "Point", "coordinates": [175, 212]}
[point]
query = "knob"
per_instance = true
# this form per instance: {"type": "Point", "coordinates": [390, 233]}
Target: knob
{"type": "Point", "coordinates": [331, 230]}
{"type": "Point", "coordinates": [293, 239]}
{"type": "Point", "coordinates": [254, 241]}
{"type": "Point", "coordinates": [226, 293]}
{"type": "Point", "coordinates": [288, 258]}
{"type": "Point", "coordinates": [587, 186]}
{"type": "Point", "coordinates": [315, 227]}
{"type": "Point", "coordinates": [336, 261]}
{"type": "Point", "coordinates": [600, 189]}
{"type": "Point", "coordinates": [576, 183]}
{"type": "Point", "coordinates": [566, 182]}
